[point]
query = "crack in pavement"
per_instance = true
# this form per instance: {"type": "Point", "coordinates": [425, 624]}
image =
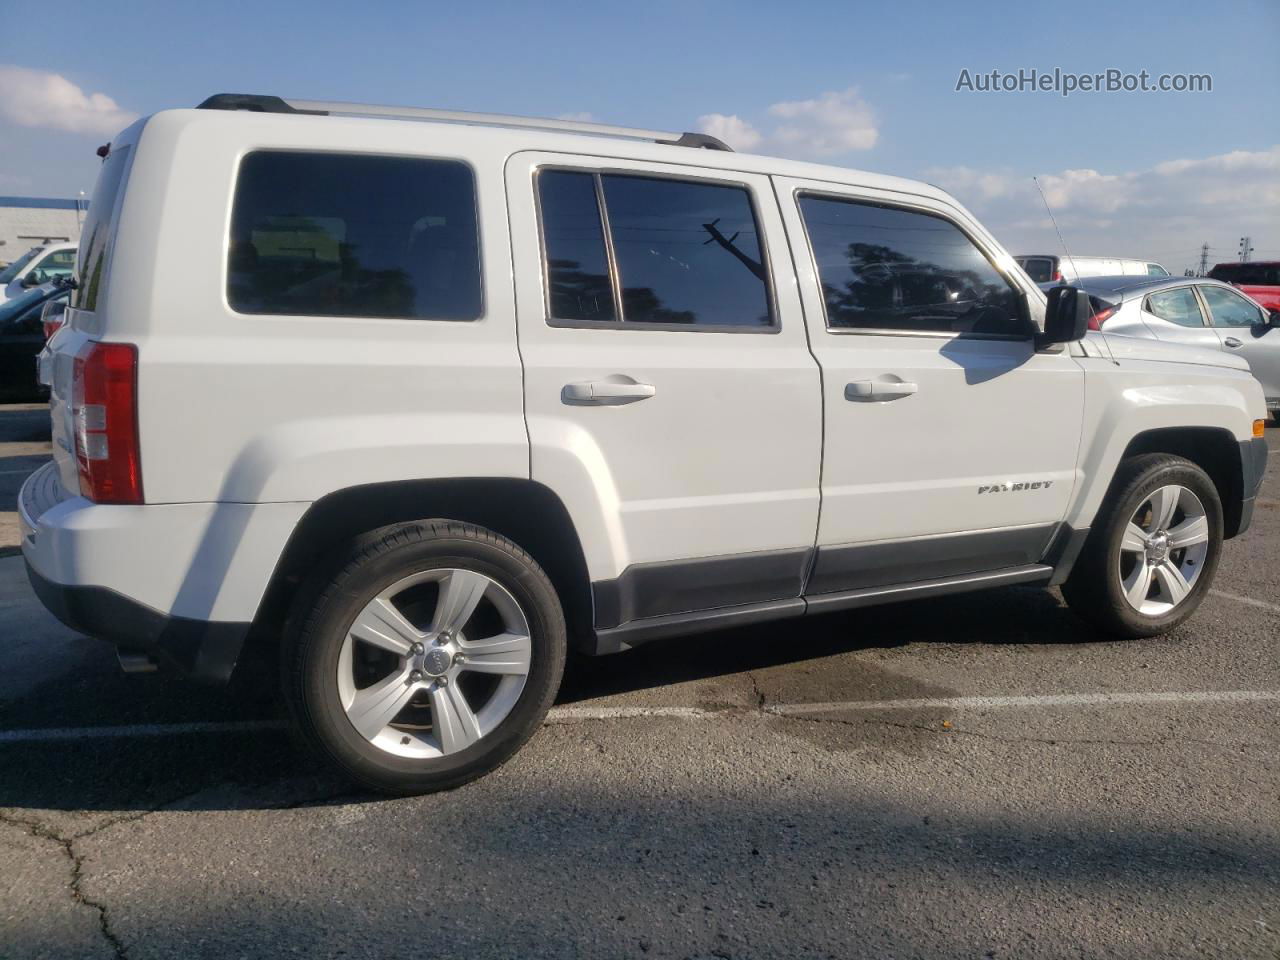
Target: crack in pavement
{"type": "Point", "coordinates": [67, 845]}
{"type": "Point", "coordinates": [755, 687]}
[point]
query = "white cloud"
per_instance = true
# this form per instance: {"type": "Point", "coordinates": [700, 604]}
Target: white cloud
{"type": "Point", "coordinates": [39, 98]}
{"type": "Point", "coordinates": [733, 130]}
{"type": "Point", "coordinates": [1163, 212]}
{"type": "Point", "coordinates": [832, 123]}
{"type": "Point", "coordinates": [835, 122]}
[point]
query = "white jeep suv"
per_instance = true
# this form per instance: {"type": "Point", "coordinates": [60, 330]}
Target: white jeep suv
{"type": "Point", "coordinates": [430, 402]}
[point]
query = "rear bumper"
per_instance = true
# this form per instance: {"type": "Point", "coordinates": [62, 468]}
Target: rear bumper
{"type": "Point", "coordinates": [201, 649]}
{"type": "Point", "coordinates": [181, 581]}
{"type": "Point", "coordinates": [1253, 465]}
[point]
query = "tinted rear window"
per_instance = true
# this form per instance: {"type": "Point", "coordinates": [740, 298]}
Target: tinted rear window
{"type": "Point", "coordinates": [1039, 269]}
{"type": "Point", "coordinates": [98, 232]}
{"type": "Point", "coordinates": [328, 234]}
{"type": "Point", "coordinates": [1247, 274]}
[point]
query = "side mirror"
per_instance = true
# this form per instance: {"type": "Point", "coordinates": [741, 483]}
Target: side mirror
{"type": "Point", "coordinates": [32, 279]}
{"type": "Point", "coordinates": [1273, 318]}
{"type": "Point", "coordinates": [1066, 317]}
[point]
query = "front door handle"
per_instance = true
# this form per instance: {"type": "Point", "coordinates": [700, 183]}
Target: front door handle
{"type": "Point", "coordinates": [611, 392]}
{"type": "Point", "coordinates": [1232, 342]}
{"type": "Point", "coordinates": [873, 391]}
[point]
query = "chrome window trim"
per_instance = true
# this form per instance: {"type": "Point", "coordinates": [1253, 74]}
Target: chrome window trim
{"type": "Point", "coordinates": [621, 323]}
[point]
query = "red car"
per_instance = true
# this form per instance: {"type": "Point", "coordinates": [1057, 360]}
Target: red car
{"type": "Point", "coordinates": [1260, 280]}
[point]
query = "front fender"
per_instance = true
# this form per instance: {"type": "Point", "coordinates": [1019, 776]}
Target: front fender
{"type": "Point", "coordinates": [1124, 401]}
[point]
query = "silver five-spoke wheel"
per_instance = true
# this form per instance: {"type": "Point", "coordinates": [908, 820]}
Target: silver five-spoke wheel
{"type": "Point", "coordinates": [1163, 550]}
{"type": "Point", "coordinates": [434, 663]}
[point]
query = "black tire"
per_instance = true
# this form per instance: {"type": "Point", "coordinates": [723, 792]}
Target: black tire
{"type": "Point", "coordinates": [1093, 589]}
{"type": "Point", "coordinates": [336, 596]}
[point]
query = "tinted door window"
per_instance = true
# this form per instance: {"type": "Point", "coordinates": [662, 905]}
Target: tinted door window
{"type": "Point", "coordinates": [1177, 306]}
{"type": "Point", "coordinates": [325, 234]}
{"type": "Point", "coordinates": [577, 261]}
{"type": "Point", "coordinates": [885, 268]}
{"type": "Point", "coordinates": [684, 253]}
{"type": "Point", "coordinates": [1228, 309]}
{"type": "Point", "coordinates": [687, 253]}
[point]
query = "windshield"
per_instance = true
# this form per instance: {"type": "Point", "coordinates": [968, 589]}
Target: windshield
{"type": "Point", "coordinates": [10, 273]}
{"type": "Point", "coordinates": [99, 228]}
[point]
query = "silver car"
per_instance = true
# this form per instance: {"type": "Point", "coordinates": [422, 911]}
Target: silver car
{"type": "Point", "coordinates": [1192, 310]}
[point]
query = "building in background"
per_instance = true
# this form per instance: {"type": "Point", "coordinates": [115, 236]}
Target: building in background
{"type": "Point", "coordinates": [28, 221]}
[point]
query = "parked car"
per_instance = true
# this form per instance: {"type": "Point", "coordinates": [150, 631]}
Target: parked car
{"type": "Point", "coordinates": [1260, 280]}
{"type": "Point", "coordinates": [1045, 268]}
{"type": "Point", "coordinates": [430, 402]}
{"type": "Point", "coordinates": [39, 265]}
{"type": "Point", "coordinates": [21, 340]}
{"type": "Point", "coordinates": [1196, 311]}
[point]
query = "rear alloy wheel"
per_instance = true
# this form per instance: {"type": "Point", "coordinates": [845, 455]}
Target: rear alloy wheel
{"type": "Point", "coordinates": [1153, 550]}
{"type": "Point", "coordinates": [429, 659]}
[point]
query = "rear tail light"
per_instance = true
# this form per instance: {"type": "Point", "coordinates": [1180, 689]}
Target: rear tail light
{"type": "Point", "coordinates": [53, 316]}
{"type": "Point", "coordinates": [105, 407]}
{"type": "Point", "coordinates": [1100, 317]}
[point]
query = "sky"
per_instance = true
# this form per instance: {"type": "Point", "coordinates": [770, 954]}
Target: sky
{"type": "Point", "coordinates": [866, 85]}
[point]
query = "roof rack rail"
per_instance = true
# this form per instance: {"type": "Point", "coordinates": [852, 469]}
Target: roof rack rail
{"type": "Point", "coordinates": [261, 103]}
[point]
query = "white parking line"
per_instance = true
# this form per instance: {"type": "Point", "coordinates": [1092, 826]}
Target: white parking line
{"type": "Point", "coordinates": [580, 714]}
{"type": "Point", "coordinates": [574, 714]}
{"type": "Point", "coordinates": [1249, 600]}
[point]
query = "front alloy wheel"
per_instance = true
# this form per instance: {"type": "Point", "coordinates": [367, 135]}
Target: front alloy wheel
{"type": "Point", "coordinates": [1163, 550]}
{"type": "Point", "coordinates": [1152, 550]}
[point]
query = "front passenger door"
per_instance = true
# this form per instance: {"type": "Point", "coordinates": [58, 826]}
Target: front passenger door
{"type": "Point", "coordinates": [1243, 329]}
{"type": "Point", "coordinates": [950, 442]}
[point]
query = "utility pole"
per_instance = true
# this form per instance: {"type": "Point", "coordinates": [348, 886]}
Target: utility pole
{"type": "Point", "coordinates": [1246, 248]}
{"type": "Point", "coordinates": [1204, 260]}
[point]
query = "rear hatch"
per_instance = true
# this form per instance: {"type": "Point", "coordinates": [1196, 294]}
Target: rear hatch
{"type": "Point", "coordinates": [84, 318]}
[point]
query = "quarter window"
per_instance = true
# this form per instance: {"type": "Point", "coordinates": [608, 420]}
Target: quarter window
{"type": "Point", "coordinates": [886, 268]}
{"type": "Point", "coordinates": [1229, 309]}
{"type": "Point", "coordinates": [578, 281]}
{"type": "Point", "coordinates": [328, 234]}
{"type": "Point", "coordinates": [1178, 306]}
{"type": "Point", "coordinates": [684, 253]}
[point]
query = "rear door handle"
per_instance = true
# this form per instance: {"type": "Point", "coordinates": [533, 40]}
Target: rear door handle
{"type": "Point", "coordinates": [1232, 342]}
{"type": "Point", "coordinates": [612, 392]}
{"type": "Point", "coordinates": [872, 391]}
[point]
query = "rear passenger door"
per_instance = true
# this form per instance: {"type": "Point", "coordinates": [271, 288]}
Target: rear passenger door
{"type": "Point", "coordinates": [671, 399]}
{"type": "Point", "coordinates": [1175, 315]}
{"type": "Point", "coordinates": [950, 441]}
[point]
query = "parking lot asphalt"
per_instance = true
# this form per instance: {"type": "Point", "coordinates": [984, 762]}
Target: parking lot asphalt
{"type": "Point", "coordinates": [975, 776]}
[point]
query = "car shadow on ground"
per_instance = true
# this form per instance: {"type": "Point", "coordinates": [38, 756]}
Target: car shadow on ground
{"type": "Point", "coordinates": [142, 772]}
